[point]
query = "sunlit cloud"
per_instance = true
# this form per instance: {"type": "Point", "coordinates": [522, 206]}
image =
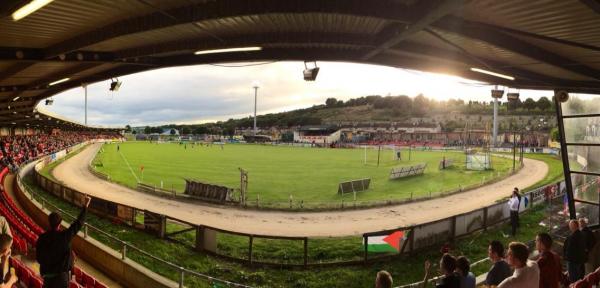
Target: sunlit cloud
{"type": "Point", "coordinates": [196, 94]}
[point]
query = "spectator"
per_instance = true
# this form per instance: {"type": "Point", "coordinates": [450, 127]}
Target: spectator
{"type": "Point", "coordinates": [5, 251]}
{"type": "Point", "coordinates": [54, 249]}
{"type": "Point", "coordinates": [513, 204]}
{"type": "Point", "coordinates": [589, 281]}
{"type": "Point", "coordinates": [447, 267]}
{"type": "Point", "coordinates": [574, 252]}
{"type": "Point", "coordinates": [463, 267]}
{"type": "Point", "coordinates": [4, 228]}
{"type": "Point", "coordinates": [548, 262]}
{"type": "Point", "coordinates": [500, 270]}
{"type": "Point", "coordinates": [590, 242]}
{"type": "Point", "coordinates": [383, 280]}
{"type": "Point", "coordinates": [527, 273]}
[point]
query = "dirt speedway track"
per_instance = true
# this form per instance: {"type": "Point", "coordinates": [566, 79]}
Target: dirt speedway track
{"type": "Point", "coordinates": [75, 174]}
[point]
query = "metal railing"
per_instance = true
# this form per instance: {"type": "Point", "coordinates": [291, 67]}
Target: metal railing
{"type": "Point", "coordinates": [123, 244]}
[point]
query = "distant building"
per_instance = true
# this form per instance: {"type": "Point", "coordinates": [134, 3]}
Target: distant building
{"type": "Point", "coordinates": [321, 134]}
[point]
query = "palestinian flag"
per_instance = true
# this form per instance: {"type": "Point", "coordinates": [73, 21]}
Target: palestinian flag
{"type": "Point", "coordinates": [385, 243]}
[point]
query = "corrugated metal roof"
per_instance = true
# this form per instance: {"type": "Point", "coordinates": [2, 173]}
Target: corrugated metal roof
{"type": "Point", "coordinates": [563, 19]}
{"type": "Point", "coordinates": [96, 40]}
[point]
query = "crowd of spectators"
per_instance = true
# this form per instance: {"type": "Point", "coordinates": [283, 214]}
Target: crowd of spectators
{"type": "Point", "coordinates": [54, 246]}
{"type": "Point", "coordinates": [517, 267]}
{"type": "Point", "coordinates": [16, 150]}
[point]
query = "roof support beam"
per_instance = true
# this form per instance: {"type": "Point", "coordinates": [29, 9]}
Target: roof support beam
{"type": "Point", "coordinates": [37, 55]}
{"type": "Point", "coordinates": [505, 41]}
{"type": "Point", "coordinates": [265, 40]}
{"type": "Point", "coordinates": [428, 11]}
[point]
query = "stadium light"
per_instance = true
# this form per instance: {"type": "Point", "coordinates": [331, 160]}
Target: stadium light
{"type": "Point", "coordinates": [115, 85]}
{"type": "Point", "coordinates": [310, 74]}
{"type": "Point", "coordinates": [16, 98]}
{"type": "Point", "coordinates": [493, 73]}
{"type": "Point", "coordinates": [255, 85]}
{"type": "Point", "coordinates": [59, 81]}
{"type": "Point", "coordinates": [29, 8]}
{"type": "Point", "coordinates": [228, 50]}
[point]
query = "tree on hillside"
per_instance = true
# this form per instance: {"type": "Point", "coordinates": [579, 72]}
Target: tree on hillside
{"type": "Point", "coordinates": [147, 130]}
{"type": "Point", "coordinates": [544, 104]}
{"type": "Point", "coordinates": [529, 104]}
{"type": "Point", "coordinates": [127, 128]}
{"type": "Point", "coordinates": [403, 102]}
{"type": "Point", "coordinates": [185, 130]}
{"type": "Point", "coordinates": [420, 105]}
{"type": "Point", "coordinates": [331, 102]}
{"type": "Point", "coordinates": [200, 130]}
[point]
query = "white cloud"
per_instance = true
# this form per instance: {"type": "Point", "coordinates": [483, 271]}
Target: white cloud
{"type": "Point", "coordinates": [194, 94]}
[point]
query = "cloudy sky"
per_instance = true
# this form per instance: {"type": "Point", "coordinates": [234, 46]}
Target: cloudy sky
{"type": "Point", "coordinates": [195, 94]}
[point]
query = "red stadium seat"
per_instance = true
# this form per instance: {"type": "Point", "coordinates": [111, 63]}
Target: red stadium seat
{"type": "Point", "coordinates": [100, 285]}
{"type": "Point", "coordinates": [36, 282]}
{"type": "Point", "coordinates": [25, 276]}
{"type": "Point", "coordinates": [78, 276]}
{"type": "Point", "coordinates": [88, 281]}
{"type": "Point", "coordinates": [74, 284]}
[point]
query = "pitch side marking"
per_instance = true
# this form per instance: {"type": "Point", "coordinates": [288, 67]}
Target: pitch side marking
{"type": "Point", "coordinates": [129, 166]}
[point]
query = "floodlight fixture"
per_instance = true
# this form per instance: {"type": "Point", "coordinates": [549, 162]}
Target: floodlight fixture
{"type": "Point", "coordinates": [228, 50]}
{"type": "Point", "coordinates": [492, 73]}
{"type": "Point", "coordinates": [513, 96]}
{"type": "Point", "coordinates": [497, 93]}
{"type": "Point", "coordinates": [59, 81]}
{"type": "Point", "coordinates": [310, 74]}
{"type": "Point", "coordinates": [29, 8]}
{"type": "Point", "coordinates": [115, 85]}
{"type": "Point", "coordinates": [16, 98]}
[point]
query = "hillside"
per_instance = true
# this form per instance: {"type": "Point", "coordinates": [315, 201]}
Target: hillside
{"type": "Point", "coordinates": [450, 114]}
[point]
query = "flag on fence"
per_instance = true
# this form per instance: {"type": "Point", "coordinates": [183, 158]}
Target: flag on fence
{"type": "Point", "coordinates": [386, 243]}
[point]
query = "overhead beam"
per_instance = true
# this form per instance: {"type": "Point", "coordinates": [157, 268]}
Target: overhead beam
{"type": "Point", "coordinates": [38, 55]}
{"type": "Point", "coordinates": [265, 40]}
{"type": "Point", "coordinates": [542, 37]}
{"type": "Point", "coordinates": [385, 9]}
{"type": "Point", "coordinates": [508, 42]}
{"type": "Point", "coordinates": [428, 11]}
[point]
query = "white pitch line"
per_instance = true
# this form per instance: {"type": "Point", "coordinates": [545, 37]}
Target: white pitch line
{"type": "Point", "coordinates": [127, 162]}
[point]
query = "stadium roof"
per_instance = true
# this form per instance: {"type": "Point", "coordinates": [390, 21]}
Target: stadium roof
{"type": "Point", "coordinates": [542, 44]}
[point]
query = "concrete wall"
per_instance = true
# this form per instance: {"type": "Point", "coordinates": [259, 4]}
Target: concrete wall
{"type": "Point", "coordinates": [105, 259]}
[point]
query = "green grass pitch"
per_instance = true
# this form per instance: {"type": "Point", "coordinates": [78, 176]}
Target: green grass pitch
{"type": "Point", "coordinates": [276, 172]}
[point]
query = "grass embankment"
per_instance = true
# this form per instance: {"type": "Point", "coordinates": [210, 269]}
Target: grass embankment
{"type": "Point", "coordinates": [310, 175]}
{"type": "Point", "coordinates": [405, 269]}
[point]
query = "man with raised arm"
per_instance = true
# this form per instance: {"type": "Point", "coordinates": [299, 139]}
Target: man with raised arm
{"type": "Point", "coordinates": [53, 249]}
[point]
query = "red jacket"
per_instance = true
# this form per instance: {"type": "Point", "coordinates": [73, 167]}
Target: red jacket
{"type": "Point", "coordinates": [550, 270]}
